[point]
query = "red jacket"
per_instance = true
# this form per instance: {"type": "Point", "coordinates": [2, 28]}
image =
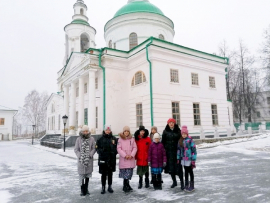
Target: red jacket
{"type": "Point", "coordinates": [143, 145]}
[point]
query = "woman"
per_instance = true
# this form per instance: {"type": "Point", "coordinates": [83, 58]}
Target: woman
{"type": "Point", "coordinates": [85, 150]}
{"type": "Point", "coordinates": [143, 143]}
{"type": "Point", "coordinates": [127, 150]}
{"type": "Point", "coordinates": [107, 150]}
{"type": "Point", "coordinates": [170, 138]}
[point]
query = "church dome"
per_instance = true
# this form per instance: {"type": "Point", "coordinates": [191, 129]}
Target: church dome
{"type": "Point", "coordinates": [138, 6]}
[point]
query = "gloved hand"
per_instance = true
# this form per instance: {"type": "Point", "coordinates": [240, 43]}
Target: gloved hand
{"type": "Point", "coordinates": [193, 164]}
{"type": "Point", "coordinates": [149, 163]}
{"type": "Point", "coordinates": [164, 164]}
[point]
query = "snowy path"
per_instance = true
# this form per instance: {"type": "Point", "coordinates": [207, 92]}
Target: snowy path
{"type": "Point", "coordinates": [230, 173]}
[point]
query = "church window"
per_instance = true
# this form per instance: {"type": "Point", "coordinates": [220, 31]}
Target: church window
{"type": "Point", "coordinates": [85, 88]}
{"type": "Point", "coordinates": [110, 44]}
{"type": "Point", "coordinates": [96, 117]}
{"type": "Point", "coordinates": [81, 11]}
{"type": "Point", "coordinates": [96, 83]}
{"type": "Point", "coordinates": [85, 42]}
{"type": "Point", "coordinates": [258, 114]}
{"type": "Point", "coordinates": [139, 115]}
{"type": "Point", "coordinates": [214, 114]}
{"type": "Point", "coordinates": [212, 82]}
{"type": "Point", "coordinates": [138, 78]}
{"type": "Point", "coordinates": [176, 112]}
{"type": "Point", "coordinates": [196, 114]}
{"type": "Point", "coordinates": [133, 40]}
{"type": "Point", "coordinates": [195, 79]}
{"type": "Point", "coordinates": [2, 121]}
{"type": "Point", "coordinates": [161, 37]}
{"type": "Point", "coordinates": [77, 92]}
{"type": "Point", "coordinates": [85, 116]}
{"type": "Point", "coordinates": [174, 76]}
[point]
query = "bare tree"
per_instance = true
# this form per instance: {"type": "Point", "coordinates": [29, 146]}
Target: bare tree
{"type": "Point", "coordinates": [34, 110]}
{"type": "Point", "coordinates": [265, 51]}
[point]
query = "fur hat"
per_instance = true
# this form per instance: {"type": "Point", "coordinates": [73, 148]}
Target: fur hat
{"type": "Point", "coordinates": [126, 128]}
{"type": "Point", "coordinates": [154, 127]}
{"type": "Point", "coordinates": [156, 135]}
{"type": "Point", "coordinates": [171, 120]}
{"type": "Point", "coordinates": [184, 130]}
{"type": "Point", "coordinates": [142, 128]}
{"type": "Point", "coordinates": [107, 127]}
{"type": "Point", "coordinates": [85, 128]}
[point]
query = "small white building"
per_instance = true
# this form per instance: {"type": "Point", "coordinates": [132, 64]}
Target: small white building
{"type": "Point", "coordinates": [140, 78]}
{"type": "Point", "coordinates": [6, 123]}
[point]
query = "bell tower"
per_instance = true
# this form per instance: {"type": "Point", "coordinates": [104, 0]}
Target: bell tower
{"type": "Point", "coordinates": [79, 35]}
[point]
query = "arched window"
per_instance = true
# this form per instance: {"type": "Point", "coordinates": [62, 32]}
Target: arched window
{"type": "Point", "coordinates": [138, 78]}
{"type": "Point", "coordinates": [84, 42]}
{"type": "Point", "coordinates": [110, 44]}
{"type": "Point", "coordinates": [161, 37]}
{"type": "Point", "coordinates": [81, 11]}
{"type": "Point", "coordinates": [133, 40]}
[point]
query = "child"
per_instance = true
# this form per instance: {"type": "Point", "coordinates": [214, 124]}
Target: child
{"type": "Point", "coordinates": [143, 143]}
{"type": "Point", "coordinates": [153, 131]}
{"type": "Point", "coordinates": [187, 154]}
{"type": "Point", "coordinates": [85, 150]}
{"type": "Point", "coordinates": [107, 150]}
{"type": "Point", "coordinates": [157, 160]}
{"type": "Point", "coordinates": [127, 150]}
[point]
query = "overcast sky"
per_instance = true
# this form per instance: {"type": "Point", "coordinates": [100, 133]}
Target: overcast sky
{"type": "Point", "coordinates": [32, 35]}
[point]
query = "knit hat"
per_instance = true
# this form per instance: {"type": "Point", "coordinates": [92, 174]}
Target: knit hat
{"type": "Point", "coordinates": [126, 128]}
{"type": "Point", "coordinates": [85, 128]}
{"type": "Point", "coordinates": [156, 135]}
{"type": "Point", "coordinates": [184, 130]}
{"type": "Point", "coordinates": [171, 120]}
{"type": "Point", "coordinates": [154, 127]}
{"type": "Point", "coordinates": [107, 127]}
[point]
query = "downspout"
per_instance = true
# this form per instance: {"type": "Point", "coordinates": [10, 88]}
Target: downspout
{"type": "Point", "coordinates": [151, 86]}
{"type": "Point", "coordinates": [104, 86]}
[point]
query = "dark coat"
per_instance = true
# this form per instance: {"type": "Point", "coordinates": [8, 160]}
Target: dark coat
{"type": "Point", "coordinates": [143, 144]}
{"type": "Point", "coordinates": [170, 140]}
{"type": "Point", "coordinates": [157, 155]}
{"type": "Point", "coordinates": [107, 150]}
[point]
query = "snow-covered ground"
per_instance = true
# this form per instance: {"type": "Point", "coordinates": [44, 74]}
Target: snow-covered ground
{"type": "Point", "coordinates": [236, 172]}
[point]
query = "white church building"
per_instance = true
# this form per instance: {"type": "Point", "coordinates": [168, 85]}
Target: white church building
{"type": "Point", "coordinates": [140, 78]}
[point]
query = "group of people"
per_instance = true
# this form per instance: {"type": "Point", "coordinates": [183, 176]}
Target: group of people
{"type": "Point", "coordinates": [170, 152]}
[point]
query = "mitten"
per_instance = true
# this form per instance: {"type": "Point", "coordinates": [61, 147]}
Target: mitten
{"type": "Point", "coordinates": [193, 164]}
{"type": "Point", "coordinates": [164, 164]}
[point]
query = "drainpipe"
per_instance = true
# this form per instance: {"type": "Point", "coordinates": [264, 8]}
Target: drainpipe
{"type": "Point", "coordinates": [151, 86]}
{"type": "Point", "coordinates": [104, 86]}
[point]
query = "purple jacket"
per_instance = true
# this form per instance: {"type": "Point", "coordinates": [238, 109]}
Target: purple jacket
{"type": "Point", "coordinates": [157, 155]}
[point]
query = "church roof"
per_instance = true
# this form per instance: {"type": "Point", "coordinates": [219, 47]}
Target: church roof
{"type": "Point", "coordinates": [78, 21]}
{"type": "Point", "coordinates": [137, 7]}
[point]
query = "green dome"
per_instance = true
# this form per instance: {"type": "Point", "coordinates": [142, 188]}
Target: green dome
{"type": "Point", "coordinates": [138, 6]}
{"type": "Point", "coordinates": [79, 21]}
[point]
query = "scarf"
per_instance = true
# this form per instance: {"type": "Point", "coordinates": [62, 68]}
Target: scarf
{"type": "Point", "coordinates": [85, 151]}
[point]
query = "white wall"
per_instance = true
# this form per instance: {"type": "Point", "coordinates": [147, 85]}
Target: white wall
{"type": "Point", "coordinates": [7, 127]}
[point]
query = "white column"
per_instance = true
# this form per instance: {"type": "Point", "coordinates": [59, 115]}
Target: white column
{"type": "Point", "coordinates": [72, 116]}
{"type": "Point", "coordinates": [92, 102]}
{"type": "Point", "coordinates": [66, 104]}
{"type": "Point", "coordinates": [81, 103]}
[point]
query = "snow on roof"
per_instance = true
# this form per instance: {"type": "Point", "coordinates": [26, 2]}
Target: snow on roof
{"type": "Point", "coordinates": [6, 108]}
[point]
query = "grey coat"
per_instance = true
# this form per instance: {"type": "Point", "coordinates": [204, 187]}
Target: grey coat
{"type": "Point", "coordinates": [92, 148]}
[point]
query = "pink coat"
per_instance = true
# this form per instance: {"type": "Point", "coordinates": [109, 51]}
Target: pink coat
{"type": "Point", "coordinates": [126, 146]}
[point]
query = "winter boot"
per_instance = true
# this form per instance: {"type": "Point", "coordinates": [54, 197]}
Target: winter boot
{"type": "Point", "coordinates": [159, 181]}
{"type": "Point", "coordinates": [147, 180]}
{"type": "Point", "coordinates": [186, 186]}
{"type": "Point", "coordinates": [82, 190]}
{"type": "Point", "coordinates": [154, 180]}
{"type": "Point", "coordinates": [110, 190]}
{"type": "Point", "coordinates": [86, 191]}
{"type": "Point", "coordinates": [191, 187]}
{"type": "Point", "coordinates": [125, 187]}
{"type": "Point", "coordinates": [129, 187]}
{"type": "Point", "coordinates": [140, 182]}
{"type": "Point", "coordinates": [182, 185]}
{"type": "Point", "coordinates": [174, 181]}
{"type": "Point", "coordinates": [103, 190]}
